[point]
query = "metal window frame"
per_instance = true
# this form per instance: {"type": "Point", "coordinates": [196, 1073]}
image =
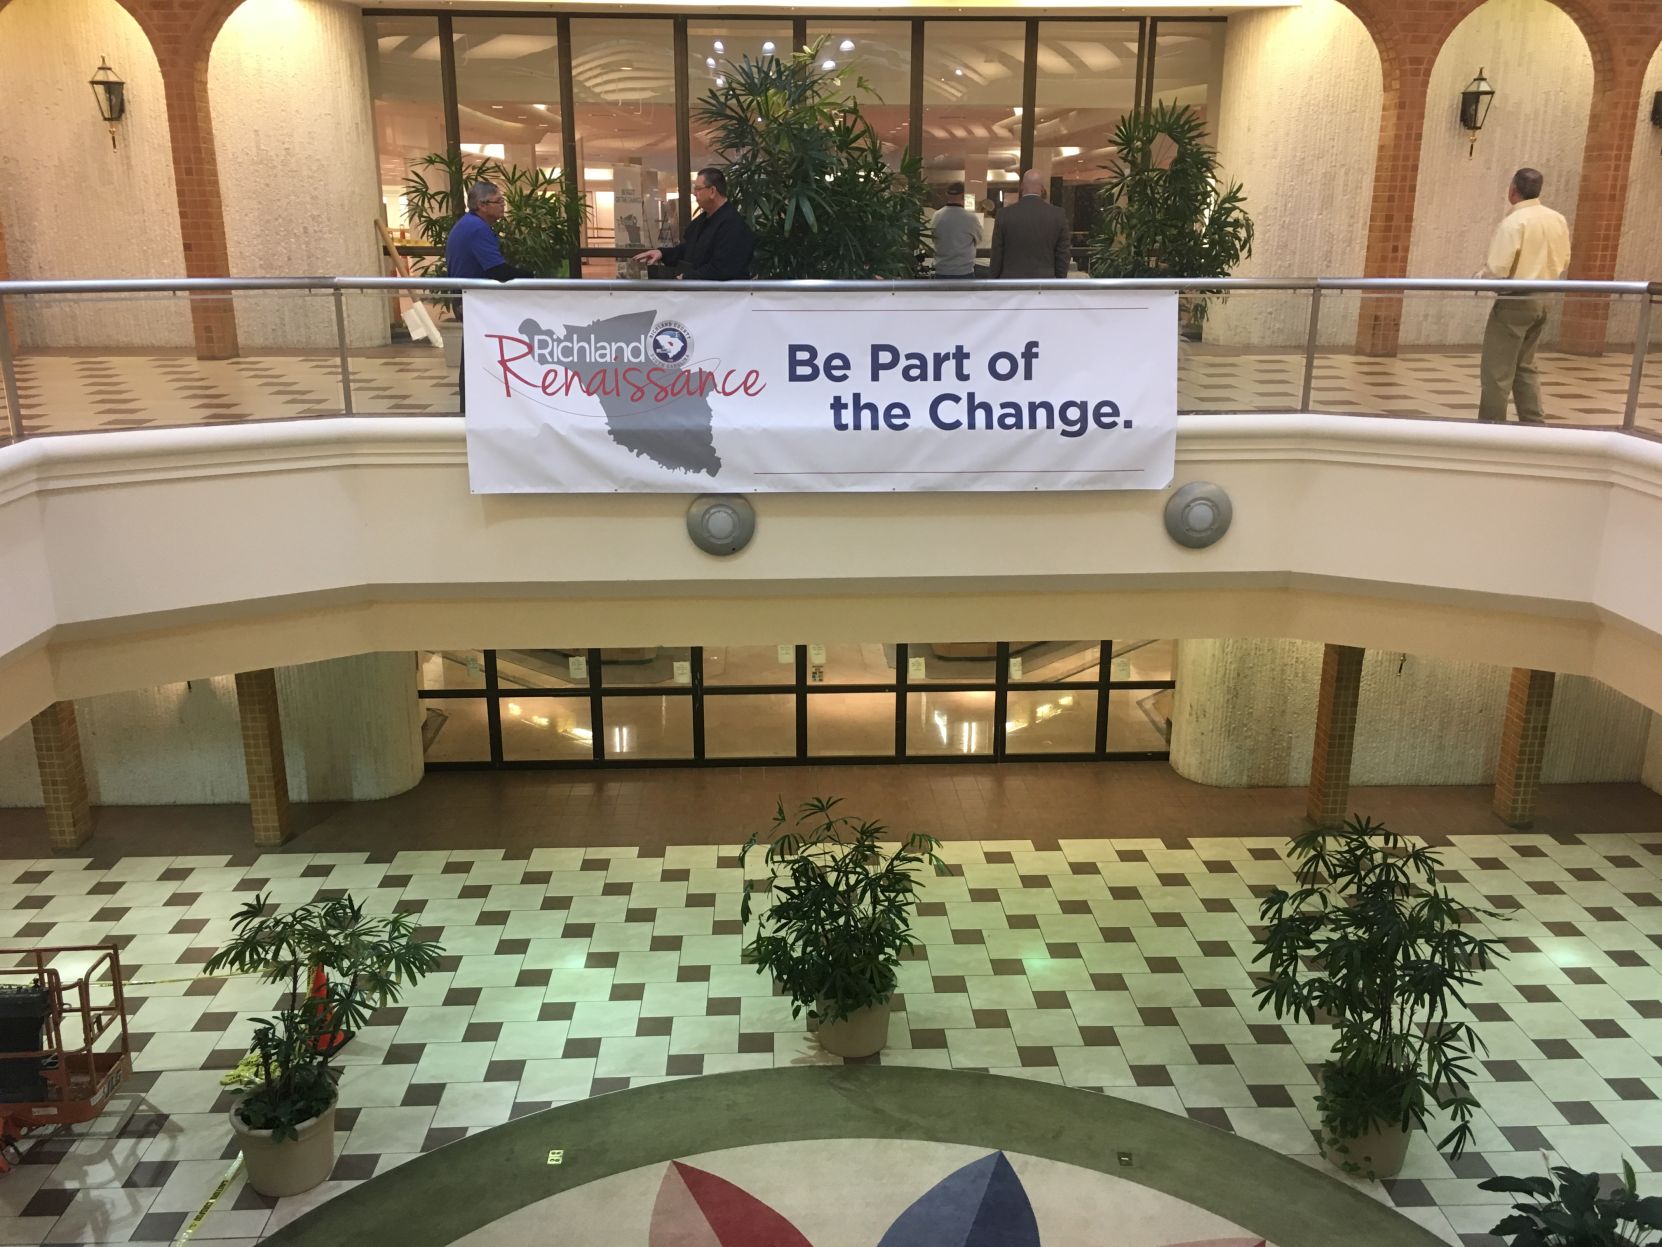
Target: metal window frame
{"type": "Point", "coordinates": [802, 690]}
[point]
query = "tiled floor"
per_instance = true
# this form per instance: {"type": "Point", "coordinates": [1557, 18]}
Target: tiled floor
{"type": "Point", "coordinates": [80, 392]}
{"type": "Point", "coordinates": [1118, 965]}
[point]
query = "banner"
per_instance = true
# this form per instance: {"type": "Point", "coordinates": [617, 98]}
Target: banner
{"type": "Point", "coordinates": [734, 391]}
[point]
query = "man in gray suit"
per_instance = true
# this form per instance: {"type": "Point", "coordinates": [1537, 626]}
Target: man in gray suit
{"type": "Point", "coordinates": [1030, 237]}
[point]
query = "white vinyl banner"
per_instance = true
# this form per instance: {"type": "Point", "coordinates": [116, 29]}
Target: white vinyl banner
{"type": "Point", "coordinates": [800, 391]}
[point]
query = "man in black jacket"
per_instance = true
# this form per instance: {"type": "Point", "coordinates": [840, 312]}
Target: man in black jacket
{"type": "Point", "coordinates": [718, 245]}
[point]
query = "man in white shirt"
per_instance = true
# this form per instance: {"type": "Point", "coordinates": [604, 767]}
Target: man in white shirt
{"type": "Point", "coordinates": [1532, 243]}
{"type": "Point", "coordinates": [957, 234]}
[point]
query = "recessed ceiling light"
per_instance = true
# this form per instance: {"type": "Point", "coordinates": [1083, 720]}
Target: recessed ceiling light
{"type": "Point", "coordinates": [768, 47]}
{"type": "Point", "coordinates": [710, 62]}
{"type": "Point", "coordinates": [847, 45]}
{"type": "Point", "coordinates": [828, 64]}
{"type": "Point", "coordinates": [720, 46]}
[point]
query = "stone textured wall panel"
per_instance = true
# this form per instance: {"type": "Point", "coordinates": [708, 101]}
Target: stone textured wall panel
{"type": "Point", "coordinates": [351, 732]}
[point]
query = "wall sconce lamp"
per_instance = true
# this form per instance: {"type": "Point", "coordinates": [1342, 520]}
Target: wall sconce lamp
{"type": "Point", "coordinates": [1474, 107]}
{"type": "Point", "coordinates": [111, 93]}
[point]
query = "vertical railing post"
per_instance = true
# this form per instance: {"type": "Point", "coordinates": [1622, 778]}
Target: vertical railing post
{"type": "Point", "coordinates": [345, 360]}
{"type": "Point", "coordinates": [1636, 376]}
{"type": "Point", "coordinates": [8, 375]}
{"type": "Point", "coordinates": [1310, 348]}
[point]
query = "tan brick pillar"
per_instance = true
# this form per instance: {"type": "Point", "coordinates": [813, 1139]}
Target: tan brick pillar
{"type": "Point", "coordinates": [1341, 688]}
{"type": "Point", "coordinates": [182, 54]}
{"type": "Point", "coordinates": [1602, 200]}
{"type": "Point", "coordinates": [63, 777]}
{"type": "Point", "coordinates": [1396, 182]}
{"type": "Point", "coordinates": [262, 754]}
{"type": "Point", "coordinates": [1523, 742]}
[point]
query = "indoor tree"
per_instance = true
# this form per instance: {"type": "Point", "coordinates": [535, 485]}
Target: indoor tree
{"type": "Point", "coordinates": [542, 227]}
{"type": "Point", "coordinates": [807, 170]}
{"type": "Point", "coordinates": [1370, 941]}
{"type": "Point", "coordinates": [1164, 210]}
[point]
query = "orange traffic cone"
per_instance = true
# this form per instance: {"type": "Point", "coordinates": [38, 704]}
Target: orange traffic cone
{"type": "Point", "coordinates": [329, 1037]}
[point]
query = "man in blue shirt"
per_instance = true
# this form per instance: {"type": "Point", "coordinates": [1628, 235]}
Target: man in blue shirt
{"type": "Point", "coordinates": [473, 251]}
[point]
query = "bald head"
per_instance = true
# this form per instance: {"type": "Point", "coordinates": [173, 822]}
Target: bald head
{"type": "Point", "coordinates": [1032, 183]}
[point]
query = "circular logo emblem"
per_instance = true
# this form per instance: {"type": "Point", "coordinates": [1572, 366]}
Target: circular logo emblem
{"type": "Point", "coordinates": [670, 341]}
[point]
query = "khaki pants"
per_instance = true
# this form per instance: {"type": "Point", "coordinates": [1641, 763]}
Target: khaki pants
{"type": "Point", "coordinates": [1509, 344]}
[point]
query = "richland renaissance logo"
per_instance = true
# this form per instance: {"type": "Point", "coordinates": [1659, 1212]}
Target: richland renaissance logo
{"type": "Point", "coordinates": [612, 358]}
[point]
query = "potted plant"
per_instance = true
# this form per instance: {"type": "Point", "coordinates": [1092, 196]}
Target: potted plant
{"type": "Point", "coordinates": [838, 920]}
{"type": "Point", "coordinates": [1165, 211]}
{"type": "Point", "coordinates": [1575, 1214]}
{"type": "Point", "coordinates": [1369, 941]}
{"type": "Point", "coordinates": [337, 965]}
{"type": "Point", "coordinates": [541, 230]}
{"type": "Point", "coordinates": [808, 172]}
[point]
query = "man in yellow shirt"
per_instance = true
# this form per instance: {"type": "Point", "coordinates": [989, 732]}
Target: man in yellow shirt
{"type": "Point", "coordinates": [1532, 243]}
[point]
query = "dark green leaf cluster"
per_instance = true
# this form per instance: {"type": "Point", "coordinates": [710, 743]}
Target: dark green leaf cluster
{"type": "Point", "coordinates": [841, 907]}
{"type": "Point", "coordinates": [1164, 211]}
{"type": "Point", "coordinates": [807, 172]}
{"type": "Point", "coordinates": [543, 224]}
{"type": "Point", "coordinates": [369, 961]}
{"type": "Point", "coordinates": [1370, 941]}
{"type": "Point", "coordinates": [1575, 1214]}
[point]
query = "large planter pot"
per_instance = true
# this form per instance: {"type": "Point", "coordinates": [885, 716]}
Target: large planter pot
{"type": "Point", "coordinates": [861, 1033]}
{"type": "Point", "coordinates": [1376, 1155]}
{"type": "Point", "coordinates": [292, 1166]}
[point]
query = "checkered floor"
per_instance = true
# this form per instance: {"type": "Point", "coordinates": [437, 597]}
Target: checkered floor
{"type": "Point", "coordinates": [1117, 966]}
{"type": "Point", "coordinates": [81, 393]}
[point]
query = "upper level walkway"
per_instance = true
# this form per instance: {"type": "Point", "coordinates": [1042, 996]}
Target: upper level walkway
{"type": "Point", "coordinates": [329, 346]}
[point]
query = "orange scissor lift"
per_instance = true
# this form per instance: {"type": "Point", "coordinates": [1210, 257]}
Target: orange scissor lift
{"type": "Point", "coordinates": [63, 1045]}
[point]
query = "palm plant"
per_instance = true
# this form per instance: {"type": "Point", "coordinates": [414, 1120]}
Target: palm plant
{"type": "Point", "coordinates": [367, 961]}
{"type": "Point", "coordinates": [543, 224]}
{"type": "Point", "coordinates": [1371, 941]}
{"type": "Point", "coordinates": [1164, 212]}
{"type": "Point", "coordinates": [841, 909]}
{"type": "Point", "coordinates": [1575, 1214]}
{"type": "Point", "coordinates": [807, 172]}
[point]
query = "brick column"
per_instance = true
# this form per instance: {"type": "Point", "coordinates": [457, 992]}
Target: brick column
{"type": "Point", "coordinates": [1602, 201]}
{"type": "Point", "coordinates": [201, 212]}
{"type": "Point", "coordinates": [1396, 182]}
{"type": "Point", "coordinates": [1523, 740]}
{"type": "Point", "coordinates": [1341, 687]}
{"type": "Point", "coordinates": [262, 754]}
{"type": "Point", "coordinates": [63, 777]}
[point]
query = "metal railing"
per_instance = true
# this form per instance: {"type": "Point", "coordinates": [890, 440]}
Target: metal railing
{"type": "Point", "coordinates": [1643, 295]}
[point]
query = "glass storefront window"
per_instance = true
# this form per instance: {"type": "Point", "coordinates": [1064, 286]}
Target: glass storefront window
{"type": "Point", "coordinates": [1139, 719]}
{"type": "Point", "coordinates": [751, 726]}
{"type": "Point", "coordinates": [1086, 80]}
{"type": "Point", "coordinates": [508, 91]}
{"type": "Point", "coordinates": [646, 665]}
{"type": "Point", "coordinates": [623, 80]}
{"type": "Point", "coordinates": [881, 53]}
{"type": "Point", "coordinates": [1143, 660]}
{"type": "Point", "coordinates": [952, 662]}
{"type": "Point", "coordinates": [949, 723]}
{"type": "Point", "coordinates": [541, 668]}
{"type": "Point", "coordinates": [851, 664]}
{"type": "Point", "coordinates": [406, 88]}
{"type": "Point", "coordinates": [455, 729]}
{"type": "Point", "coordinates": [972, 91]}
{"type": "Point", "coordinates": [1034, 662]}
{"type": "Point", "coordinates": [546, 729]}
{"type": "Point", "coordinates": [450, 668]}
{"type": "Point", "coordinates": [1050, 721]}
{"type": "Point", "coordinates": [750, 664]}
{"type": "Point", "coordinates": [1188, 66]}
{"type": "Point", "coordinates": [713, 48]}
{"type": "Point", "coordinates": [844, 725]}
{"type": "Point", "coordinates": [648, 727]}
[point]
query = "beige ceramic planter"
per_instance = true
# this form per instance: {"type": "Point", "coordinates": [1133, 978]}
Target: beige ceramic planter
{"type": "Point", "coordinates": [861, 1033]}
{"type": "Point", "coordinates": [292, 1166]}
{"type": "Point", "coordinates": [1378, 1154]}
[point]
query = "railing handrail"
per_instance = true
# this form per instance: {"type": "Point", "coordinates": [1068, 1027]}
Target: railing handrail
{"type": "Point", "coordinates": [1382, 285]}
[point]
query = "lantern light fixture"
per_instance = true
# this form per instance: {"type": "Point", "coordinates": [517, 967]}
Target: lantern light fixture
{"type": "Point", "coordinates": [1474, 107]}
{"type": "Point", "coordinates": [111, 94]}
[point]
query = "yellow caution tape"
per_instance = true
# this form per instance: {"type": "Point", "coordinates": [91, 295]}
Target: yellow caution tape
{"type": "Point", "coordinates": [195, 1223]}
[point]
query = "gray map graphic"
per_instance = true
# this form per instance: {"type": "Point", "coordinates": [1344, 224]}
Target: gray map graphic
{"type": "Point", "coordinates": [676, 433]}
